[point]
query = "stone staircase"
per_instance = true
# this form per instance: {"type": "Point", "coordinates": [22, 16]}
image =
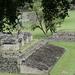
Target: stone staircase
{"type": "Point", "coordinates": [43, 59]}
{"type": "Point", "coordinates": [26, 53]}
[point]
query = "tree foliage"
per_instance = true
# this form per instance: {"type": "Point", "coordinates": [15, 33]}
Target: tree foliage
{"type": "Point", "coordinates": [73, 2]}
{"type": "Point", "coordinates": [53, 13]}
{"type": "Point", "coordinates": [69, 1]}
{"type": "Point", "coordinates": [9, 12]}
{"type": "Point", "coordinates": [55, 9]}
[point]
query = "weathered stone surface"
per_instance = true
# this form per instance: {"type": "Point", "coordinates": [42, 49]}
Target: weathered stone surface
{"type": "Point", "coordinates": [37, 59]}
{"type": "Point", "coordinates": [9, 65]}
{"type": "Point", "coordinates": [14, 41]}
{"type": "Point", "coordinates": [10, 41]}
{"type": "Point", "coordinates": [26, 40]}
{"type": "Point", "coordinates": [10, 47]}
{"type": "Point", "coordinates": [62, 37]}
{"type": "Point", "coordinates": [21, 42]}
{"type": "Point", "coordinates": [42, 59]}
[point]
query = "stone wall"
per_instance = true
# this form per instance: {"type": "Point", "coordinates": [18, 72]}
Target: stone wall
{"type": "Point", "coordinates": [10, 47]}
{"type": "Point", "coordinates": [31, 16]}
{"type": "Point", "coordinates": [14, 41]}
{"type": "Point", "coordinates": [23, 54]}
{"type": "Point", "coordinates": [62, 37]}
{"type": "Point", "coordinates": [9, 65]}
{"type": "Point", "coordinates": [25, 69]}
{"type": "Point", "coordinates": [10, 61]}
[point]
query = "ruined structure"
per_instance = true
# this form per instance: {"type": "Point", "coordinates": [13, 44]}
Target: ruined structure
{"type": "Point", "coordinates": [14, 41]}
{"type": "Point", "coordinates": [39, 58]}
{"type": "Point", "coordinates": [62, 37]}
{"type": "Point", "coordinates": [42, 60]}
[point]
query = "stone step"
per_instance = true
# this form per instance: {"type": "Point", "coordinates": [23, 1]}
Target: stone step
{"type": "Point", "coordinates": [43, 59]}
{"type": "Point", "coordinates": [31, 49]}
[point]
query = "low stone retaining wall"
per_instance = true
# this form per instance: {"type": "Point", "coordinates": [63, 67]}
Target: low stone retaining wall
{"type": "Point", "coordinates": [10, 47]}
{"type": "Point", "coordinates": [62, 37]}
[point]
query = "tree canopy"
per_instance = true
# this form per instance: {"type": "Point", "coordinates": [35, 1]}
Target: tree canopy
{"type": "Point", "coordinates": [52, 10]}
{"type": "Point", "coordinates": [55, 9]}
{"type": "Point", "coordinates": [9, 11]}
{"type": "Point", "coordinates": [53, 13]}
{"type": "Point", "coordinates": [73, 2]}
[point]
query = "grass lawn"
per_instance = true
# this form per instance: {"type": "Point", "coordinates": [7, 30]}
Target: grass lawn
{"type": "Point", "coordinates": [66, 64]}
{"type": "Point", "coordinates": [69, 23]}
{"type": "Point", "coordinates": [37, 34]}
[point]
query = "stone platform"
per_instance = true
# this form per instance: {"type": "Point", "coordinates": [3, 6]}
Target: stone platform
{"type": "Point", "coordinates": [39, 58]}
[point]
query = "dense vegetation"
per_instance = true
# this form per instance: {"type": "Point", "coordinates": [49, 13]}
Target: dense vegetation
{"type": "Point", "coordinates": [9, 12]}
{"type": "Point", "coordinates": [52, 10]}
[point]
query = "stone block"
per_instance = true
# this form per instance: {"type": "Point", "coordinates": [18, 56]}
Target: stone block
{"type": "Point", "coordinates": [26, 39]}
{"type": "Point", "coordinates": [21, 42]}
{"type": "Point", "coordinates": [11, 47]}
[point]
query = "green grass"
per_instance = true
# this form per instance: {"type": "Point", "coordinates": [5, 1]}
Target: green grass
{"type": "Point", "coordinates": [67, 62]}
{"type": "Point", "coordinates": [37, 34]}
{"type": "Point", "coordinates": [69, 23]}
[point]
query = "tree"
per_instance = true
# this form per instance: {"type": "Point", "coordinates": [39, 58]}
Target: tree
{"type": "Point", "coordinates": [43, 25]}
{"type": "Point", "coordinates": [52, 10]}
{"type": "Point", "coordinates": [69, 1]}
{"type": "Point", "coordinates": [9, 12]}
{"type": "Point", "coordinates": [55, 9]}
{"type": "Point", "coordinates": [73, 2]}
{"type": "Point", "coordinates": [53, 13]}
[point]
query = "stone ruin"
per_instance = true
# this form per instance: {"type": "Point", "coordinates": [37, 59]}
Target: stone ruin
{"type": "Point", "coordinates": [39, 58]}
{"type": "Point", "coordinates": [14, 41]}
{"type": "Point", "coordinates": [62, 37]}
{"type": "Point", "coordinates": [42, 60]}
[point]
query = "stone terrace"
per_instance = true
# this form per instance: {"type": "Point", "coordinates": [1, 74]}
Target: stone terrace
{"type": "Point", "coordinates": [39, 58]}
{"type": "Point", "coordinates": [42, 60]}
{"type": "Point", "coordinates": [62, 37]}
